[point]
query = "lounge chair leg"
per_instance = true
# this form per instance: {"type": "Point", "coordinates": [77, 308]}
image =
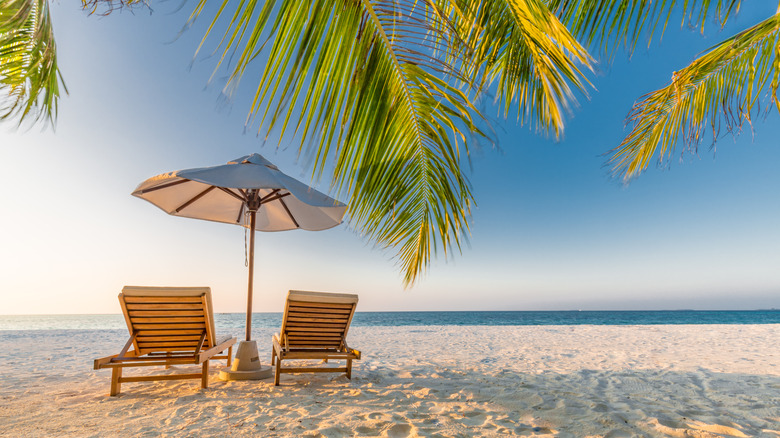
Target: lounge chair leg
{"type": "Point", "coordinates": [204, 378]}
{"type": "Point", "coordinates": [230, 356]}
{"type": "Point", "coordinates": [273, 358]}
{"type": "Point", "coordinates": [277, 372]}
{"type": "Point", "coordinates": [349, 369]}
{"type": "Point", "coordinates": [116, 385]}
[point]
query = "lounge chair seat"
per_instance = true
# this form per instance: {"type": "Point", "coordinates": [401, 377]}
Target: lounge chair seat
{"type": "Point", "coordinates": [314, 326]}
{"type": "Point", "coordinates": [168, 326]}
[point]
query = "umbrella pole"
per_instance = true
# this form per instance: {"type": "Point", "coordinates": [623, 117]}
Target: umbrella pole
{"type": "Point", "coordinates": [246, 365]}
{"type": "Point", "coordinates": [253, 216]}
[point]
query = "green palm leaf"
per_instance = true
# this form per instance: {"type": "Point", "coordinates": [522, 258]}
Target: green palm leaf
{"type": "Point", "coordinates": [29, 78]}
{"type": "Point", "coordinates": [723, 86]}
{"type": "Point", "coordinates": [524, 49]}
{"type": "Point", "coordinates": [610, 24]}
{"type": "Point", "coordinates": [378, 89]}
{"type": "Point", "coordinates": [359, 82]}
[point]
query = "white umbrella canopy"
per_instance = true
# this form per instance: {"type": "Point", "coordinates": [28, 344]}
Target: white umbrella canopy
{"type": "Point", "coordinates": [225, 193]}
{"type": "Point", "coordinates": [249, 191]}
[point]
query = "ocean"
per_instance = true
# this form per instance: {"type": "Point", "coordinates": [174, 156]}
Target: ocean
{"type": "Point", "coordinates": [367, 319]}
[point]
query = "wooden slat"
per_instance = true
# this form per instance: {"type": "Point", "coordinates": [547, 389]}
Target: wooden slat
{"type": "Point", "coordinates": [176, 332]}
{"type": "Point", "coordinates": [292, 313]}
{"type": "Point", "coordinates": [342, 321]}
{"type": "Point", "coordinates": [169, 326]}
{"type": "Point", "coordinates": [176, 306]}
{"type": "Point", "coordinates": [320, 305]}
{"type": "Point", "coordinates": [183, 344]}
{"type": "Point", "coordinates": [161, 313]}
{"type": "Point", "coordinates": [312, 345]}
{"type": "Point", "coordinates": [184, 357]}
{"type": "Point", "coordinates": [156, 363]}
{"type": "Point", "coordinates": [163, 377]}
{"type": "Point", "coordinates": [167, 349]}
{"type": "Point", "coordinates": [192, 345]}
{"type": "Point", "coordinates": [316, 327]}
{"type": "Point", "coordinates": [167, 320]}
{"type": "Point", "coordinates": [308, 344]}
{"type": "Point", "coordinates": [193, 338]}
{"type": "Point", "coordinates": [319, 310]}
{"type": "Point", "coordinates": [313, 338]}
{"type": "Point", "coordinates": [128, 299]}
{"type": "Point", "coordinates": [299, 329]}
{"type": "Point", "coordinates": [316, 354]}
{"type": "Point", "coordinates": [177, 339]}
{"type": "Point", "coordinates": [314, 335]}
{"type": "Point", "coordinates": [312, 370]}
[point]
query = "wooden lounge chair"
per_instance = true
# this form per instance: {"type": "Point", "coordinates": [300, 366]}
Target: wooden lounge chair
{"type": "Point", "coordinates": [314, 326]}
{"type": "Point", "coordinates": [168, 326]}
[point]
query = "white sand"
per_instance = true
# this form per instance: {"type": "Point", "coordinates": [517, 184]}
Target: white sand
{"type": "Point", "coordinates": [567, 381]}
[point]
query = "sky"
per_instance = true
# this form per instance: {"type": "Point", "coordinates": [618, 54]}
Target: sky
{"type": "Point", "coordinates": [551, 230]}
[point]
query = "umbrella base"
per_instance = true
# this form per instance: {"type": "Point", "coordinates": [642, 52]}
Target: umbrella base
{"type": "Point", "coordinates": [246, 365]}
{"type": "Point", "coordinates": [264, 372]}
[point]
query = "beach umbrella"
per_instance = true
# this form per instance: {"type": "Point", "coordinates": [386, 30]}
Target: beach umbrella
{"type": "Point", "coordinates": [249, 191]}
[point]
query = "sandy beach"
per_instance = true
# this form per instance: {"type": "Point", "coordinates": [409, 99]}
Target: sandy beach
{"type": "Point", "coordinates": [566, 381]}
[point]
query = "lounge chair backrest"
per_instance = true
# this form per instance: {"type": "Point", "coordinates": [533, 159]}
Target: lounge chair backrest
{"type": "Point", "coordinates": [317, 320]}
{"type": "Point", "coordinates": [167, 319]}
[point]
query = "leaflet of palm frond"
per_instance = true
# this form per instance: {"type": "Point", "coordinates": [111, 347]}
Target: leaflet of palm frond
{"type": "Point", "coordinates": [106, 7]}
{"type": "Point", "coordinates": [610, 24]}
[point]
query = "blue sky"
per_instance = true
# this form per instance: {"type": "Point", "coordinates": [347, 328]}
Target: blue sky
{"type": "Point", "coordinates": [551, 230]}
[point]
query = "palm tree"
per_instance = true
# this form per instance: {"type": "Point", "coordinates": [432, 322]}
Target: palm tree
{"type": "Point", "coordinates": [384, 91]}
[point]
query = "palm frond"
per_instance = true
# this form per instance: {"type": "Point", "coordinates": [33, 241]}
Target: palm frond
{"type": "Point", "coordinates": [363, 84]}
{"type": "Point", "coordinates": [724, 86]}
{"type": "Point", "coordinates": [522, 47]}
{"type": "Point", "coordinates": [610, 24]}
{"type": "Point", "coordinates": [106, 7]}
{"type": "Point", "coordinates": [29, 78]}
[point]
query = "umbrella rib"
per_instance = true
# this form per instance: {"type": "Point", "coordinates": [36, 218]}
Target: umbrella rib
{"type": "Point", "coordinates": [164, 186]}
{"type": "Point", "coordinates": [288, 210]}
{"type": "Point", "coordinates": [240, 212]}
{"type": "Point", "coordinates": [198, 196]}
{"type": "Point", "coordinates": [265, 199]}
{"type": "Point", "coordinates": [232, 193]}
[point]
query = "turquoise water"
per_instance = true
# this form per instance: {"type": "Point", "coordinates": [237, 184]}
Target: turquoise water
{"type": "Point", "coordinates": [366, 319]}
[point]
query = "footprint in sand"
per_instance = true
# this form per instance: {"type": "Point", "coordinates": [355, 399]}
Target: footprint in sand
{"type": "Point", "coordinates": [475, 418]}
{"type": "Point", "coordinates": [401, 431]}
{"type": "Point", "coordinates": [376, 415]}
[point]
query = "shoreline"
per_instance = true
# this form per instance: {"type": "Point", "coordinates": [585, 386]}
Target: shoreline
{"type": "Point", "coordinates": [579, 380]}
{"type": "Point", "coordinates": [270, 320]}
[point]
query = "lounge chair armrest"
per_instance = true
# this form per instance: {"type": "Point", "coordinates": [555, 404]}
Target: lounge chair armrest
{"type": "Point", "coordinates": [98, 364]}
{"type": "Point", "coordinates": [352, 351]}
{"type": "Point", "coordinates": [207, 354]}
{"type": "Point", "coordinates": [276, 343]}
